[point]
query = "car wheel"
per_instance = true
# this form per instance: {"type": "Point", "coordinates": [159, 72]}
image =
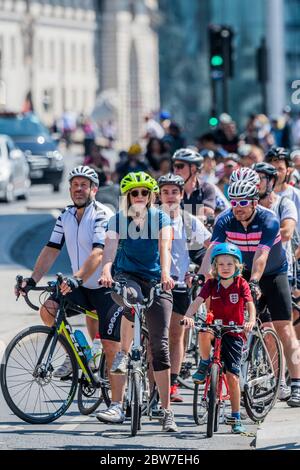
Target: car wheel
{"type": "Point", "coordinates": [9, 193]}
{"type": "Point", "coordinates": [25, 195]}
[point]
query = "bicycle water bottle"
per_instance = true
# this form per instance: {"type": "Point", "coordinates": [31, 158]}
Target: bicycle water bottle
{"type": "Point", "coordinates": [83, 343]}
{"type": "Point", "coordinates": [96, 352]}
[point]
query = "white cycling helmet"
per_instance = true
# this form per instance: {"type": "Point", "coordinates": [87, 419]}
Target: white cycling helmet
{"type": "Point", "coordinates": [243, 189]}
{"type": "Point", "coordinates": [245, 174]}
{"type": "Point", "coordinates": [86, 172]}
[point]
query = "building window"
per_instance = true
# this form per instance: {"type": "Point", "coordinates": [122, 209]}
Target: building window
{"type": "Point", "coordinates": [62, 57]}
{"type": "Point", "coordinates": [41, 54]}
{"type": "Point", "coordinates": [83, 56]}
{"type": "Point", "coordinates": [73, 57]}
{"type": "Point", "coordinates": [51, 55]}
{"type": "Point", "coordinates": [13, 52]}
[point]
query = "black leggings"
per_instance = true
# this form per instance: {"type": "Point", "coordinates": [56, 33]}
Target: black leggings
{"type": "Point", "coordinates": [158, 317]}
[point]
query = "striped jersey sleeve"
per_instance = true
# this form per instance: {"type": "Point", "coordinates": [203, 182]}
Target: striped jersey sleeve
{"type": "Point", "coordinates": [57, 238]}
{"type": "Point", "coordinates": [100, 227]}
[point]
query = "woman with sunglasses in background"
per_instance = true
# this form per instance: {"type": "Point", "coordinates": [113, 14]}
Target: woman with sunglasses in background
{"type": "Point", "coordinates": [256, 232]}
{"type": "Point", "coordinates": [138, 243]}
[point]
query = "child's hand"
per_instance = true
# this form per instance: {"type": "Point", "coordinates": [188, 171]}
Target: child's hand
{"type": "Point", "coordinates": [248, 326]}
{"type": "Point", "coordinates": [188, 322]}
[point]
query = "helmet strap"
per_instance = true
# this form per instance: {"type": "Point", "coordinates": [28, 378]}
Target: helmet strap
{"type": "Point", "coordinates": [220, 278]}
{"type": "Point", "coordinates": [249, 218]}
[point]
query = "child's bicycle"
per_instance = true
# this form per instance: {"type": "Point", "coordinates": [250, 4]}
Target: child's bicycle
{"type": "Point", "coordinates": [28, 383]}
{"type": "Point", "coordinates": [209, 399]}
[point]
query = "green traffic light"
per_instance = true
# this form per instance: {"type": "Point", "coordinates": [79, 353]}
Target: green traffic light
{"type": "Point", "coordinates": [216, 60]}
{"type": "Point", "coordinates": [213, 121]}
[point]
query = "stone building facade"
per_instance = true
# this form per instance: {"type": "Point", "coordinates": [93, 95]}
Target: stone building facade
{"type": "Point", "coordinates": [67, 52]}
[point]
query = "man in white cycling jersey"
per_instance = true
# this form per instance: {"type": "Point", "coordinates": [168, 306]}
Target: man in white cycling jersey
{"type": "Point", "coordinates": [82, 227]}
{"type": "Point", "coordinates": [189, 233]}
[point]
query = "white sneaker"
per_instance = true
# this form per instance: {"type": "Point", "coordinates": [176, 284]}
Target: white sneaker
{"type": "Point", "coordinates": [120, 362]}
{"type": "Point", "coordinates": [284, 392]}
{"type": "Point", "coordinates": [168, 422]}
{"type": "Point", "coordinates": [65, 369]}
{"type": "Point", "coordinates": [113, 414]}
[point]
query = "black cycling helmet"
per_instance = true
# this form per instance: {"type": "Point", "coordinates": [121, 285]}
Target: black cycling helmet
{"type": "Point", "coordinates": [188, 156]}
{"type": "Point", "coordinates": [266, 168]}
{"type": "Point", "coordinates": [279, 153]}
{"type": "Point", "coordinates": [271, 174]}
{"type": "Point", "coordinates": [170, 178]}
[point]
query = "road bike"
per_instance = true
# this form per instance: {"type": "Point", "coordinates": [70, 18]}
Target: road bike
{"type": "Point", "coordinates": [261, 371]}
{"type": "Point", "coordinates": [141, 396]}
{"type": "Point", "coordinates": [28, 383]}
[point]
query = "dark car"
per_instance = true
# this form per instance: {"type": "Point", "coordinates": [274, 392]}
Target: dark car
{"type": "Point", "coordinates": [45, 161]}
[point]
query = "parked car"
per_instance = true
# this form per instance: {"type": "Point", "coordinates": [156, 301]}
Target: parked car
{"type": "Point", "coordinates": [14, 171]}
{"type": "Point", "coordinates": [30, 135]}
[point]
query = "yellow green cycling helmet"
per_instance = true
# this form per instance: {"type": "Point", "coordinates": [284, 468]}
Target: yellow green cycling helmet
{"type": "Point", "coordinates": [138, 180]}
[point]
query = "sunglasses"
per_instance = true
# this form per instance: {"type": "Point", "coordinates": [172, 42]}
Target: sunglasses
{"type": "Point", "coordinates": [142, 192]}
{"type": "Point", "coordinates": [243, 203]}
{"type": "Point", "coordinates": [179, 166]}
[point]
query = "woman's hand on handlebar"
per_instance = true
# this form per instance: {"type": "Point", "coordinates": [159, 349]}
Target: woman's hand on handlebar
{"type": "Point", "coordinates": [106, 279]}
{"type": "Point", "coordinates": [167, 282]}
{"type": "Point", "coordinates": [187, 322]}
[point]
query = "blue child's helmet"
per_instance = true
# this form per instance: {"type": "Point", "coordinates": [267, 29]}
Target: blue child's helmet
{"type": "Point", "coordinates": [226, 249]}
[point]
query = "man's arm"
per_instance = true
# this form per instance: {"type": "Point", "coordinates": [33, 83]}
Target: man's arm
{"type": "Point", "coordinates": [287, 228]}
{"type": "Point", "coordinates": [90, 265]}
{"type": "Point", "coordinates": [165, 246]}
{"type": "Point", "coordinates": [259, 264]}
{"type": "Point", "coordinates": [44, 262]}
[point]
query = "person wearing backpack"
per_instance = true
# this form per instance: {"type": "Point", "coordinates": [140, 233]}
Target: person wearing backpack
{"type": "Point", "coordinates": [190, 240]}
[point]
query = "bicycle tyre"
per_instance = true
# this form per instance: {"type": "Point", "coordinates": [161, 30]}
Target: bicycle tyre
{"type": "Point", "coordinates": [199, 407]}
{"type": "Point", "coordinates": [86, 392]}
{"type": "Point", "coordinates": [30, 418]}
{"type": "Point", "coordinates": [212, 399]}
{"type": "Point", "coordinates": [259, 402]}
{"type": "Point", "coordinates": [103, 373]}
{"type": "Point", "coordinates": [135, 404]}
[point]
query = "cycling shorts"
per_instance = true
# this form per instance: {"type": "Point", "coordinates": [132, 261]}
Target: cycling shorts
{"type": "Point", "coordinates": [181, 301]}
{"type": "Point", "coordinates": [276, 297]}
{"type": "Point", "coordinates": [231, 353]}
{"type": "Point", "coordinates": [109, 313]}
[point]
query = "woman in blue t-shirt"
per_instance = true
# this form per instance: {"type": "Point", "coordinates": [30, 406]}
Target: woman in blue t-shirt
{"type": "Point", "coordinates": [138, 246]}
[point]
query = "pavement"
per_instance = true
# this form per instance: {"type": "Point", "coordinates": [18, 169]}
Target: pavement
{"type": "Point", "coordinates": [280, 430]}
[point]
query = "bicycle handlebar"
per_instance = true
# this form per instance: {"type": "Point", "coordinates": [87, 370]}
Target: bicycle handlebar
{"type": "Point", "coordinates": [50, 287]}
{"type": "Point", "coordinates": [217, 327]}
{"type": "Point", "coordinates": [120, 288]}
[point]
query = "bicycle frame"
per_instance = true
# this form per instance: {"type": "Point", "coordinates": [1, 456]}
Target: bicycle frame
{"type": "Point", "coordinates": [62, 327]}
{"type": "Point", "coordinates": [222, 377]}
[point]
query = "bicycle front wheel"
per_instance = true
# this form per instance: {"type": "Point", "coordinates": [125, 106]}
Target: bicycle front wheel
{"type": "Point", "coordinates": [264, 369]}
{"type": "Point", "coordinates": [212, 399]}
{"type": "Point", "coordinates": [199, 404]}
{"type": "Point", "coordinates": [135, 402]}
{"type": "Point", "coordinates": [29, 385]}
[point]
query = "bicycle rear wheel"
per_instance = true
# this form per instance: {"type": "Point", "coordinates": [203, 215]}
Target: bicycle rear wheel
{"type": "Point", "coordinates": [29, 388]}
{"type": "Point", "coordinates": [135, 402]}
{"type": "Point", "coordinates": [89, 398]}
{"type": "Point", "coordinates": [212, 399]}
{"type": "Point", "coordinates": [264, 370]}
